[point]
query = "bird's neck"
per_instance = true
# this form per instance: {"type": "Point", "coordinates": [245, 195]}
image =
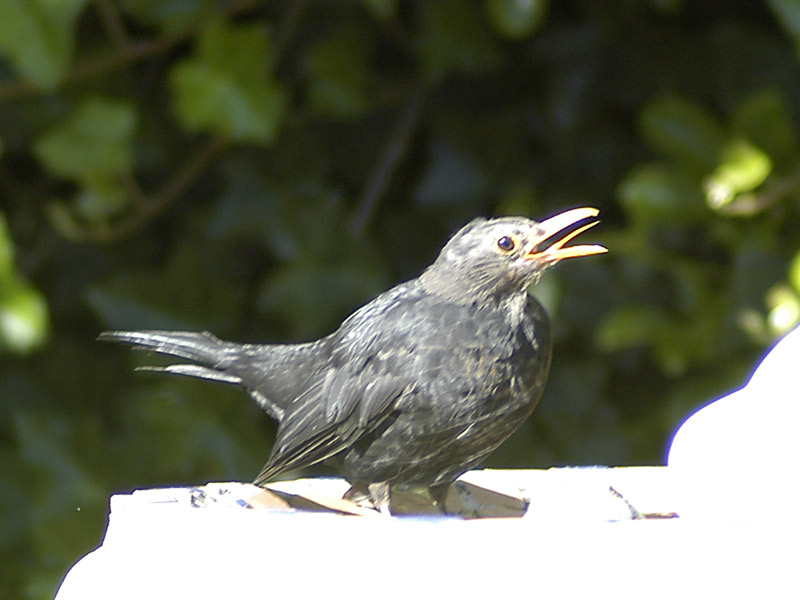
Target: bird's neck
{"type": "Point", "coordinates": [475, 292]}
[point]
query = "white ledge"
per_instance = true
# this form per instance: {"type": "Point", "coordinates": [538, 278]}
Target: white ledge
{"type": "Point", "coordinates": [578, 539]}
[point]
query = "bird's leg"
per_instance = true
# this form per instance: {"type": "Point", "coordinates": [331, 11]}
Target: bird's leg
{"type": "Point", "coordinates": [378, 494]}
{"type": "Point", "coordinates": [439, 495]}
{"type": "Point", "coordinates": [381, 495]}
{"type": "Point", "coordinates": [357, 493]}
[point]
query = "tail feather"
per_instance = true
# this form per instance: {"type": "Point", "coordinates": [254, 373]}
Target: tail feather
{"type": "Point", "coordinates": [201, 347]}
{"type": "Point", "coordinates": [196, 371]}
{"type": "Point", "coordinates": [245, 365]}
{"type": "Point", "coordinates": [215, 356]}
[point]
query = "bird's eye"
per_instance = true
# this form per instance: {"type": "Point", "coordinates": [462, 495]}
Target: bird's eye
{"type": "Point", "coordinates": [506, 244]}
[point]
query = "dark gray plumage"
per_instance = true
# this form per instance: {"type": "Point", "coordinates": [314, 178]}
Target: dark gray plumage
{"type": "Point", "coordinates": [420, 384]}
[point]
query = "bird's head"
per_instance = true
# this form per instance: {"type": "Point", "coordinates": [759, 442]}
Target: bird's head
{"type": "Point", "coordinates": [491, 257]}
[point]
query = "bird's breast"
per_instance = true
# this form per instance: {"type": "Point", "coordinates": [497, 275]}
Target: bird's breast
{"type": "Point", "coordinates": [481, 363]}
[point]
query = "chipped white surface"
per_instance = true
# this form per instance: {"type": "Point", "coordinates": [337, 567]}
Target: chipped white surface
{"type": "Point", "coordinates": [158, 546]}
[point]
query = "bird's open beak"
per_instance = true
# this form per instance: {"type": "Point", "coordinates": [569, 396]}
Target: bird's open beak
{"type": "Point", "coordinates": [558, 224]}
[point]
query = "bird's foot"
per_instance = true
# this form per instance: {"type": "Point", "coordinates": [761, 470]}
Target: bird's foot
{"type": "Point", "coordinates": [397, 499]}
{"type": "Point", "coordinates": [381, 495]}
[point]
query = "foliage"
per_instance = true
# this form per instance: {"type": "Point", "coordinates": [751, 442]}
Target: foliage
{"type": "Point", "coordinates": [260, 169]}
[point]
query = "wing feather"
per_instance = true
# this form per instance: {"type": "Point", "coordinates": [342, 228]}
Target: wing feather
{"type": "Point", "coordinates": [352, 395]}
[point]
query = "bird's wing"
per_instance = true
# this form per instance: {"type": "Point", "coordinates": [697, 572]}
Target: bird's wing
{"type": "Point", "coordinates": [357, 388]}
{"type": "Point", "coordinates": [310, 433]}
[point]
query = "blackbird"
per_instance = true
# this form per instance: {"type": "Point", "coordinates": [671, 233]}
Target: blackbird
{"type": "Point", "coordinates": [420, 384]}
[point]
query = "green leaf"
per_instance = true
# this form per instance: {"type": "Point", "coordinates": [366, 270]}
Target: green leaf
{"type": "Point", "coordinates": [632, 326]}
{"type": "Point", "coordinates": [95, 141]}
{"type": "Point", "coordinates": [383, 10]}
{"type": "Point", "coordinates": [675, 344]}
{"type": "Point", "coordinates": [6, 252]}
{"type": "Point", "coordinates": [784, 310]}
{"type": "Point", "coordinates": [765, 118]}
{"type": "Point", "coordinates": [654, 191]}
{"type": "Point", "coordinates": [244, 51]}
{"type": "Point", "coordinates": [225, 87]}
{"type": "Point", "coordinates": [101, 198]}
{"type": "Point", "coordinates": [338, 73]}
{"type": "Point", "coordinates": [24, 320]}
{"type": "Point", "coordinates": [454, 38]}
{"type": "Point", "coordinates": [38, 37]}
{"type": "Point", "coordinates": [517, 19]}
{"type": "Point", "coordinates": [743, 168]}
{"type": "Point", "coordinates": [794, 272]}
{"type": "Point", "coordinates": [788, 14]}
{"type": "Point", "coordinates": [684, 132]}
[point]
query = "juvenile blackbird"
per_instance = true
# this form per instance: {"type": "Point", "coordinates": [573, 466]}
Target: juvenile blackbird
{"type": "Point", "coordinates": [420, 384]}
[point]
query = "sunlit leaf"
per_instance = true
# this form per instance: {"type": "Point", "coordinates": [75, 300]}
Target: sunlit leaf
{"type": "Point", "coordinates": [24, 318]}
{"type": "Point", "coordinates": [783, 305]}
{"type": "Point", "coordinates": [744, 167]}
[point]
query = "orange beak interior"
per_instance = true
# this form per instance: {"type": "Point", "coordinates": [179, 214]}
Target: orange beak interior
{"type": "Point", "coordinates": [556, 225]}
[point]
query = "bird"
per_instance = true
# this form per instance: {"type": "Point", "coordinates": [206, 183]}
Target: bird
{"type": "Point", "coordinates": [420, 384]}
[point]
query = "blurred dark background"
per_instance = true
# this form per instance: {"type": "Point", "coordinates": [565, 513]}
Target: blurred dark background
{"type": "Point", "coordinates": [259, 169]}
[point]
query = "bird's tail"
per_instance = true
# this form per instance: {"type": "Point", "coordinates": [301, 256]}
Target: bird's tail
{"type": "Point", "coordinates": [213, 354]}
{"type": "Point", "coordinates": [212, 358]}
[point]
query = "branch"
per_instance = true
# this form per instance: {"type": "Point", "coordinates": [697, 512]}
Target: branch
{"type": "Point", "coordinates": [750, 204]}
{"type": "Point", "coordinates": [390, 158]}
{"type": "Point", "coordinates": [148, 208]}
{"type": "Point", "coordinates": [289, 20]}
{"type": "Point", "coordinates": [113, 23]}
{"type": "Point", "coordinates": [129, 53]}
